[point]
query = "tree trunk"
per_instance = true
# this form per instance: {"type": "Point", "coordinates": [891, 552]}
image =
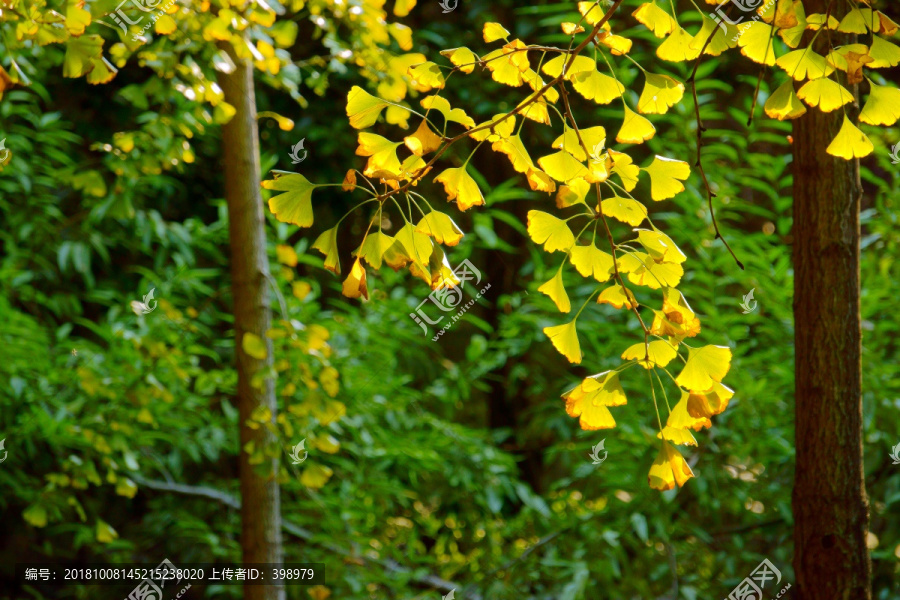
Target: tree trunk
{"type": "Point", "coordinates": [260, 499]}
{"type": "Point", "coordinates": [831, 511]}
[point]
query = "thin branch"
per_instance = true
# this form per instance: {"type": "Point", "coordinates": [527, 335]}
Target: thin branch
{"type": "Point", "coordinates": [427, 579]}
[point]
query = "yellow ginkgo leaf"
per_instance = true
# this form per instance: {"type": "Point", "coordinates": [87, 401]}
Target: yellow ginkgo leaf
{"type": "Point", "coordinates": [295, 204]}
{"type": "Point", "coordinates": [104, 532]}
{"type": "Point", "coordinates": [462, 57]}
{"type": "Point", "coordinates": [286, 255]}
{"type": "Point", "coordinates": [553, 233]}
{"type": "Point", "coordinates": [516, 53]}
{"type": "Point", "coordinates": [657, 353]}
{"type": "Point", "coordinates": [536, 83]}
{"type": "Point", "coordinates": [855, 63]}
{"type": "Point", "coordinates": [426, 77]}
{"type": "Point", "coordinates": [590, 261]}
{"type": "Point", "coordinates": [423, 141]}
{"type": "Point", "coordinates": [884, 53]}
{"type": "Point", "coordinates": [254, 346]}
{"type": "Point", "coordinates": [655, 19]}
{"type": "Point", "coordinates": [720, 41]}
{"type": "Point", "coordinates": [565, 340]}
{"type": "Point", "coordinates": [363, 108]}
{"type": "Point", "coordinates": [600, 390]}
{"type": "Point", "coordinates": [592, 13]}
{"type": "Point", "coordinates": [598, 87]}
{"type": "Point", "coordinates": [676, 318]}
{"type": "Point", "coordinates": [677, 436]}
{"type": "Point", "coordinates": [668, 469]}
{"type": "Point", "coordinates": [853, 22]}
{"type": "Point", "coordinates": [659, 94]}
{"type": "Point", "coordinates": [593, 137]}
{"type": "Point", "coordinates": [704, 367]}
{"type": "Point", "coordinates": [572, 194]}
{"type": "Point", "coordinates": [499, 127]}
{"type": "Point", "coordinates": [326, 243]}
{"type": "Point", "coordinates": [382, 152]}
{"type": "Point", "coordinates": [703, 405]}
{"type": "Point", "coordinates": [643, 270]}
{"type": "Point", "coordinates": [397, 114]}
{"type": "Point", "coordinates": [557, 292]}
{"type": "Point", "coordinates": [502, 70]}
{"type": "Point", "coordinates": [635, 129]}
{"type": "Point", "coordinates": [804, 64]}
{"type": "Point", "coordinates": [666, 175]}
{"type": "Point", "coordinates": [837, 58]}
{"type": "Point", "coordinates": [315, 475]}
{"type": "Point", "coordinates": [536, 111]}
{"type": "Point", "coordinates": [571, 28]}
{"type": "Point", "coordinates": [882, 23]}
{"type": "Point", "coordinates": [515, 150]}
{"type": "Point", "coordinates": [616, 297]}
{"type": "Point", "coordinates": [580, 64]}
{"type": "Point", "coordinates": [592, 417]}
{"type": "Point", "coordinates": [828, 95]}
{"type": "Point", "coordinates": [77, 18]}
{"type": "Point", "coordinates": [540, 181]}
{"type": "Point", "coordinates": [165, 25]}
{"type": "Point", "coordinates": [626, 210]}
{"type": "Point", "coordinates": [617, 44]}
{"type": "Point", "coordinates": [680, 418]}
{"type": "Point", "coordinates": [349, 183]}
{"type": "Point", "coordinates": [756, 43]}
{"type": "Point", "coordinates": [456, 115]}
{"type": "Point", "coordinates": [882, 106]}
{"type": "Point", "coordinates": [850, 142]}
{"type": "Point", "coordinates": [562, 166]}
{"type": "Point", "coordinates": [493, 32]}
{"type": "Point", "coordinates": [355, 284]}
{"type": "Point", "coordinates": [441, 227]}
{"type": "Point", "coordinates": [460, 186]}
{"type": "Point", "coordinates": [679, 47]}
{"type": "Point", "coordinates": [623, 166]}
{"type": "Point", "coordinates": [816, 21]}
{"type": "Point", "coordinates": [373, 248]}
{"type": "Point", "coordinates": [413, 249]}
{"type": "Point", "coordinates": [660, 246]}
{"type": "Point", "coordinates": [784, 103]}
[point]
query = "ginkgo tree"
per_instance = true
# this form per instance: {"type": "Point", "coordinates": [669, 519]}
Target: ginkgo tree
{"type": "Point", "coordinates": [602, 231]}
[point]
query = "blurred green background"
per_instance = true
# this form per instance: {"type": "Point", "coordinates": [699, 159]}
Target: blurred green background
{"type": "Point", "coordinates": [453, 458]}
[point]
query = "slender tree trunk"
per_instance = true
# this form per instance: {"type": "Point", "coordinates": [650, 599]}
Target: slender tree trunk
{"type": "Point", "coordinates": [260, 499]}
{"type": "Point", "coordinates": [831, 511]}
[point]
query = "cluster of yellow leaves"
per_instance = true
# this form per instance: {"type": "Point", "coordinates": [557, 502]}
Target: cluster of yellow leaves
{"type": "Point", "coordinates": [578, 160]}
{"type": "Point", "coordinates": [815, 74]}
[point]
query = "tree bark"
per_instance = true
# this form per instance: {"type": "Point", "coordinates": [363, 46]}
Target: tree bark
{"type": "Point", "coordinates": [260, 494]}
{"type": "Point", "coordinates": [831, 511]}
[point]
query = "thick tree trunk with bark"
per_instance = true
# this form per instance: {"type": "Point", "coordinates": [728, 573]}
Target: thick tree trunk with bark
{"type": "Point", "coordinates": [260, 499]}
{"type": "Point", "coordinates": [831, 511]}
